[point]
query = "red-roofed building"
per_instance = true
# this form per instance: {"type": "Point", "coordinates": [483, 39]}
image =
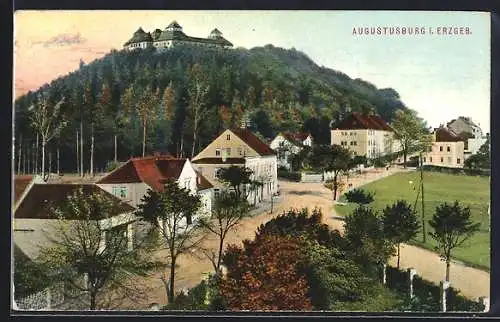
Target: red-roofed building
{"type": "Point", "coordinates": [367, 135]}
{"type": "Point", "coordinates": [286, 144]}
{"type": "Point", "coordinates": [240, 147]}
{"type": "Point", "coordinates": [132, 180]}
{"type": "Point", "coordinates": [447, 149]}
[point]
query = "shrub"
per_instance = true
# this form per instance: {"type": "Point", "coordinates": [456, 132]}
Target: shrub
{"type": "Point", "coordinates": [293, 176]}
{"type": "Point", "coordinates": [359, 196]}
{"type": "Point", "coordinates": [458, 171]}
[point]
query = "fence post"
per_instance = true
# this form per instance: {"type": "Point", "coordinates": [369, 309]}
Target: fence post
{"type": "Point", "coordinates": [411, 272]}
{"type": "Point", "coordinates": [443, 285]}
{"type": "Point", "coordinates": [486, 302]}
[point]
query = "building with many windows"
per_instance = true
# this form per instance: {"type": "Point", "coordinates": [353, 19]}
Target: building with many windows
{"type": "Point", "coordinates": [447, 150]}
{"type": "Point", "coordinates": [365, 135]}
{"type": "Point", "coordinates": [171, 36]}
{"type": "Point", "coordinates": [240, 147]}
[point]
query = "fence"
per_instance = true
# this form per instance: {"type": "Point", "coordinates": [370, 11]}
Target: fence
{"type": "Point", "coordinates": [424, 295]}
{"type": "Point", "coordinates": [45, 299]}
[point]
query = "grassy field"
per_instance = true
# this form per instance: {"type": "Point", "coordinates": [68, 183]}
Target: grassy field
{"type": "Point", "coordinates": [470, 191]}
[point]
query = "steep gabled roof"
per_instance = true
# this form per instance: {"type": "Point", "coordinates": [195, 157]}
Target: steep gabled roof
{"type": "Point", "coordinates": [357, 121]}
{"type": "Point", "coordinates": [253, 141]}
{"type": "Point", "coordinates": [445, 135]}
{"type": "Point", "coordinates": [139, 36]}
{"type": "Point", "coordinates": [201, 182]}
{"type": "Point", "coordinates": [42, 197]}
{"type": "Point", "coordinates": [295, 138]}
{"type": "Point", "coordinates": [151, 170]}
{"type": "Point", "coordinates": [21, 182]}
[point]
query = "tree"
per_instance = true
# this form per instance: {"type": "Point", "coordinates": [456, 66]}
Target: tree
{"type": "Point", "coordinates": [264, 275]}
{"type": "Point", "coordinates": [482, 159]}
{"type": "Point", "coordinates": [408, 129]}
{"type": "Point", "coordinates": [197, 91]}
{"type": "Point", "coordinates": [452, 226]}
{"type": "Point", "coordinates": [47, 121]}
{"type": "Point", "coordinates": [169, 101]}
{"type": "Point", "coordinates": [236, 177]}
{"type": "Point", "coordinates": [363, 231]}
{"type": "Point", "coordinates": [146, 108]}
{"type": "Point", "coordinates": [171, 212]}
{"type": "Point", "coordinates": [400, 223]}
{"type": "Point", "coordinates": [330, 158]}
{"type": "Point", "coordinates": [228, 211]}
{"type": "Point", "coordinates": [79, 249]}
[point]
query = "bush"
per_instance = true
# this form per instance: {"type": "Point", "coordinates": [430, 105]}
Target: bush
{"type": "Point", "coordinates": [359, 196]}
{"type": "Point", "coordinates": [204, 296]}
{"type": "Point", "coordinates": [458, 171]}
{"type": "Point", "coordinates": [285, 174]}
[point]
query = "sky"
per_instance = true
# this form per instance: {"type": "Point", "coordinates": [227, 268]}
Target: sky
{"type": "Point", "coordinates": [441, 76]}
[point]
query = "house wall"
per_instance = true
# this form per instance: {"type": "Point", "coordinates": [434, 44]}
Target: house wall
{"type": "Point", "coordinates": [473, 145]}
{"type": "Point", "coordinates": [452, 159]}
{"type": "Point", "coordinates": [187, 177]}
{"type": "Point", "coordinates": [265, 169]}
{"type": "Point", "coordinates": [369, 143]}
{"type": "Point", "coordinates": [238, 148]}
{"type": "Point", "coordinates": [284, 149]}
{"type": "Point", "coordinates": [135, 191]}
{"type": "Point", "coordinates": [208, 171]}
{"type": "Point", "coordinates": [460, 125]}
{"type": "Point", "coordinates": [206, 196]}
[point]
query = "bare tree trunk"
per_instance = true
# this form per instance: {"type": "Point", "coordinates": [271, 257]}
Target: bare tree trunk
{"type": "Point", "coordinates": [194, 143]}
{"type": "Point", "coordinates": [182, 146]}
{"type": "Point", "coordinates": [448, 260]}
{"type": "Point", "coordinates": [36, 154]}
{"type": "Point", "coordinates": [398, 253]}
{"type": "Point", "coordinates": [43, 159]}
{"type": "Point", "coordinates": [58, 158]}
{"type": "Point", "coordinates": [171, 293]}
{"type": "Point", "coordinates": [77, 154]}
{"type": "Point", "coordinates": [19, 154]}
{"type": "Point", "coordinates": [24, 160]}
{"type": "Point", "coordinates": [116, 148]}
{"type": "Point", "coordinates": [81, 150]}
{"type": "Point", "coordinates": [50, 162]}
{"type": "Point", "coordinates": [92, 152]}
{"type": "Point", "coordinates": [144, 138]}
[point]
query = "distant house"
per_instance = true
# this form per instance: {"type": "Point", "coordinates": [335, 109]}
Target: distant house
{"type": "Point", "coordinates": [464, 124]}
{"type": "Point", "coordinates": [286, 144]}
{"type": "Point", "coordinates": [131, 181]}
{"type": "Point", "coordinates": [447, 150]}
{"type": "Point", "coordinates": [365, 135]}
{"type": "Point", "coordinates": [239, 147]}
{"type": "Point", "coordinates": [35, 223]}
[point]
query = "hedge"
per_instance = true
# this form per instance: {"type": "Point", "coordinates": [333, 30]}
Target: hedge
{"type": "Point", "coordinates": [293, 176]}
{"type": "Point", "coordinates": [463, 171]}
{"type": "Point", "coordinates": [427, 294]}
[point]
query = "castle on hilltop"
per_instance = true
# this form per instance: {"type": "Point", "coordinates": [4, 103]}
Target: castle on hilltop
{"type": "Point", "coordinates": [171, 36]}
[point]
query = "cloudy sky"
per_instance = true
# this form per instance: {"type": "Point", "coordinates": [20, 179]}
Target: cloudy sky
{"type": "Point", "coordinates": [440, 76]}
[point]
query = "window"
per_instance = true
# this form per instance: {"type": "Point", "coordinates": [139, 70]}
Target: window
{"type": "Point", "coordinates": [216, 192]}
{"type": "Point", "coordinates": [424, 159]}
{"type": "Point", "coordinates": [187, 184]}
{"type": "Point", "coordinates": [228, 137]}
{"type": "Point", "coordinates": [430, 159]}
{"type": "Point", "coordinates": [441, 148]}
{"type": "Point", "coordinates": [240, 151]}
{"type": "Point", "coordinates": [228, 150]}
{"type": "Point", "coordinates": [120, 192]}
{"type": "Point", "coordinates": [448, 149]}
{"type": "Point", "coordinates": [189, 220]}
{"type": "Point", "coordinates": [217, 152]}
{"type": "Point", "coordinates": [442, 160]}
{"type": "Point", "coordinates": [458, 161]}
{"type": "Point", "coordinates": [216, 173]}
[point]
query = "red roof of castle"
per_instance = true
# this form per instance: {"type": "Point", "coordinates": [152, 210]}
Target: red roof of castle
{"type": "Point", "coordinates": [253, 141]}
{"type": "Point", "coordinates": [151, 170]}
{"type": "Point", "coordinates": [357, 121]}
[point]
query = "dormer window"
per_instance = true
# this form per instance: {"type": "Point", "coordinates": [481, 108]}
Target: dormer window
{"type": "Point", "coordinates": [217, 152]}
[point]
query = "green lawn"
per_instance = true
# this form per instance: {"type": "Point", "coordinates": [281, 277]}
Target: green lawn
{"type": "Point", "coordinates": [438, 187]}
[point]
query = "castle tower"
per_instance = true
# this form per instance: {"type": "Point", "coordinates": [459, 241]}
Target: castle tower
{"type": "Point", "coordinates": [214, 34]}
{"type": "Point", "coordinates": [174, 26]}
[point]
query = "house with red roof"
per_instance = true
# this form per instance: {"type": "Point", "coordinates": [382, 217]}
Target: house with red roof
{"type": "Point", "coordinates": [240, 147]}
{"type": "Point", "coordinates": [133, 179]}
{"type": "Point", "coordinates": [36, 221]}
{"type": "Point", "coordinates": [287, 143]}
{"type": "Point", "coordinates": [447, 150]}
{"type": "Point", "coordinates": [22, 184]}
{"type": "Point", "coordinates": [365, 135]}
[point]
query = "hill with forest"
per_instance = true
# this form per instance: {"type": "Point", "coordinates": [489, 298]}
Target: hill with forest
{"type": "Point", "coordinates": [184, 96]}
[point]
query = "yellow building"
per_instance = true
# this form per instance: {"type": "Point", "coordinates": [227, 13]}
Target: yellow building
{"type": "Point", "coordinates": [447, 150]}
{"type": "Point", "coordinates": [240, 147]}
{"type": "Point", "coordinates": [365, 135]}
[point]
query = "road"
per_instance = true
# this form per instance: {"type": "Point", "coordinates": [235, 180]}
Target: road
{"type": "Point", "coordinates": [193, 267]}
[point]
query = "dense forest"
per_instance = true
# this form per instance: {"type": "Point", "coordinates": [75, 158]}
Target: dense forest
{"type": "Point", "coordinates": [181, 98]}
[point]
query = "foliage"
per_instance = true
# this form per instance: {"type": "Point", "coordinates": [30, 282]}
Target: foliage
{"type": "Point", "coordinates": [452, 226]}
{"type": "Point", "coordinates": [227, 212]}
{"type": "Point", "coordinates": [408, 131]}
{"type": "Point", "coordinates": [460, 171]}
{"type": "Point", "coordinates": [482, 159]}
{"type": "Point", "coordinates": [297, 223]}
{"type": "Point", "coordinates": [171, 212]}
{"type": "Point", "coordinates": [289, 175]}
{"type": "Point", "coordinates": [29, 276]}
{"type": "Point", "coordinates": [400, 223]}
{"type": "Point", "coordinates": [298, 160]}
{"type": "Point", "coordinates": [359, 196]}
{"type": "Point", "coordinates": [235, 176]}
{"type": "Point", "coordinates": [78, 249]}
{"type": "Point", "coordinates": [264, 275]}
{"type": "Point", "coordinates": [363, 231]}
{"type": "Point", "coordinates": [264, 82]}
